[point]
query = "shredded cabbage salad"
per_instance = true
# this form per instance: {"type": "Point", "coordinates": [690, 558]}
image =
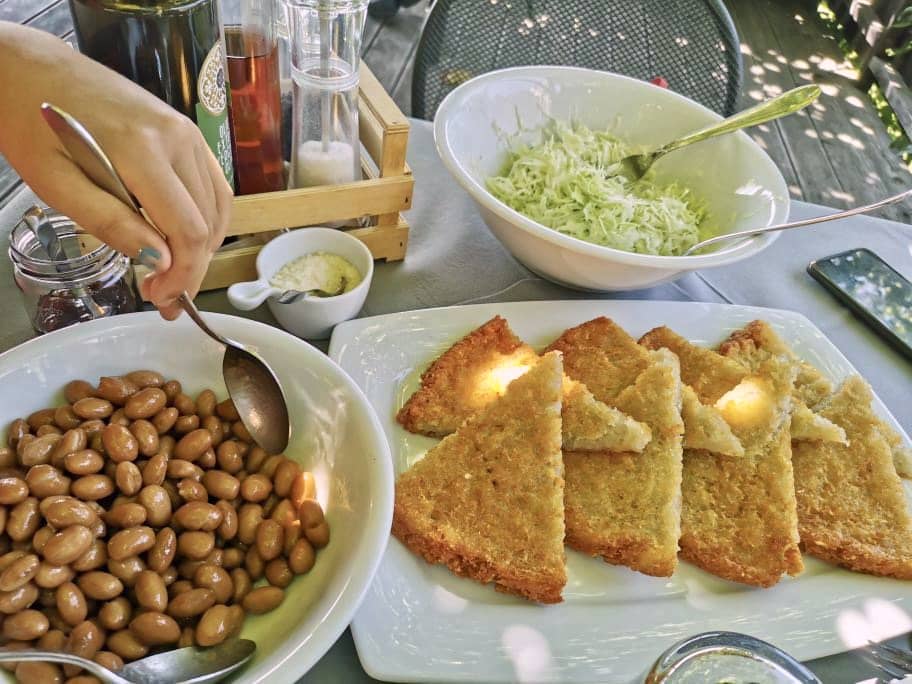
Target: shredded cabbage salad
{"type": "Point", "coordinates": [571, 182]}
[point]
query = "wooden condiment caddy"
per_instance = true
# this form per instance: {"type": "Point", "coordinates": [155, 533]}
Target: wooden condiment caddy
{"type": "Point", "coordinates": [383, 193]}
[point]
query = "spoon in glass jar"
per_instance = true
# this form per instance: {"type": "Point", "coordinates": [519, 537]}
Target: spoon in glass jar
{"type": "Point", "coordinates": [252, 385]}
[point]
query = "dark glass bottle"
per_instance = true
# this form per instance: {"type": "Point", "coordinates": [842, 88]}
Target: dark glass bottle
{"type": "Point", "coordinates": [172, 48]}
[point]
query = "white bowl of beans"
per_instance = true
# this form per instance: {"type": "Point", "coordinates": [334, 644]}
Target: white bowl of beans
{"type": "Point", "coordinates": [136, 515]}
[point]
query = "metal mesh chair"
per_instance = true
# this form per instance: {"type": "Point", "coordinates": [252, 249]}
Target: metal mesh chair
{"type": "Point", "coordinates": [692, 44]}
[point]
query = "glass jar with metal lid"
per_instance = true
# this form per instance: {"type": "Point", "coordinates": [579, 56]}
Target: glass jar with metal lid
{"type": "Point", "coordinates": [85, 279]}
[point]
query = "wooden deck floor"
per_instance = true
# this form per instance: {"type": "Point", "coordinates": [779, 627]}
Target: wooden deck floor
{"type": "Point", "coordinates": [837, 154]}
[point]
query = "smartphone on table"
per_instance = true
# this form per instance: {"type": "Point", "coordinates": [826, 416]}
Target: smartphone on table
{"type": "Point", "coordinates": [875, 291]}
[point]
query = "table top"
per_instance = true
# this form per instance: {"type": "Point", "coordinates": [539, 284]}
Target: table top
{"type": "Point", "coordinates": [453, 259]}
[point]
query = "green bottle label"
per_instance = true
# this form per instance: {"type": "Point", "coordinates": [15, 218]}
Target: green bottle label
{"type": "Point", "coordinates": [212, 109]}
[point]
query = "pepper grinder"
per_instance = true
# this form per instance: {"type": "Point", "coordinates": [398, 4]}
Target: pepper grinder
{"type": "Point", "coordinates": [325, 37]}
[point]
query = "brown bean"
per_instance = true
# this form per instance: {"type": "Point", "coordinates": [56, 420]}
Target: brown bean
{"type": "Point", "coordinates": [184, 404]}
{"type": "Point", "coordinates": [302, 557]}
{"type": "Point", "coordinates": [38, 672]}
{"type": "Point", "coordinates": [75, 390]}
{"type": "Point", "coordinates": [65, 418]}
{"type": "Point", "coordinates": [187, 637]}
{"type": "Point", "coordinates": [126, 515]}
{"type": "Point", "coordinates": [215, 578]}
{"type": "Point", "coordinates": [127, 570]}
{"type": "Point", "coordinates": [161, 555]}
{"type": "Point", "coordinates": [254, 564]}
{"type": "Point", "coordinates": [239, 430]}
{"type": "Point", "coordinates": [19, 599]}
{"type": "Point", "coordinates": [115, 614]}
{"type": "Point", "coordinates": [249, 518]}
{"type": "Point", "coordinates": [270, 465]}
{"type": "Point", "coordinates": [98, 585]}
{"type": "Point", "coordinates": [17, 430]}
{"type": "Point", "coordinates": [150, 590]}
{"type": "Point", "coordinates": [146, 437]}
{"type": "Point", "coordinates": [66, 511]}
{"type": "Point", "coordinates": [236, 615]}
{"type": "Point", "coordinates": [226, 410]}
{"type": "Point", "coordinates": [95, 442]}
{"type": "Point", "coordinates": [319, 535]}
{"type": "Point", "coordinates": [38, 450]}
{"type": "Point", "coordinates": [52, 640]}
{"type": "Point", "coordinates": [205, 403]}
{"type": "Point", "coordinates": [311, 513]}
{"type": "Point", "coordinates": [214, 425]}
{"type": "Point", "coordinates": [45, 480]}
{"type": "Point", "coordinates": [92, 427]}
{"type": "Point", "coordinates": [192, 445]}
{"type": "Point", "coordinates": [68, 545]}
{"type": "Point", "coordinates": [229, 457]}
{"type": "Point", "coordinates": [13, 490]}
{"type": "Point", "coordinates": [52, 576]}
{"type": "Point", "coordinates": [263, 599]}
{"type": "Point", "coordinates": [198, 515]}
{"type": "Point", "coordinates": [128, 477]}
{"type": "Point", "coordinates": [23, 520]}
{"type": "Point", "coordinates": [213, 627]}
{"type": "Point", "coordinates": [92, 487]}
{"type": "Point", "coordinates": [195, 545]}
{"type": "Point", "coordinates": [191, 603]}
{"type": "Point", "coordinates": [146, 378]}
{"type": "Point", "coordinates": [285, 475]}
{"type": "Point", "coordinates": [145, 403]}
{"type": "Point", "coordinates": [71, 604]}
{"type": "Point", "coordinates": [178, 469]}
{"type": "Point", "coordinates": [155, 469]}
{"type": "Point", "coordinates": [126, 645]}
{"type": "Point", "coordinates": [25, 625]}
{"type": "Point", "coordinates": [191, 490]}
{"type": "Point", "coordinates": [73, 440]}
{"type": "Point", "coordinates": [119, 443]}
{"type": "Point", "coordinates": [48, 430]}
{"type": "Point", "coordinates": [284, 513]}
{"type": "Point", "coordinates": [228, 529]}
{"type": "Point", "coordinates": [207, 459]}
{"type": "Point", "coordinates": [171, 389]}
{"type": "Point", "coordinates": [233, 557]}
{"type": "Point", "coordinates": [169, 576]}
{"type": "Point", "coordinates": [165, 419]}
{"type": "Point", "coordinates": [221, 485]}
{"type": "Point", "coordinates": [119, 418]}
{"type": "Point", "coordinates": [7, 559]}
{"type": "Point", "coordinates": [292, 535]}
{"type": "Point", "coordinates": [92, 407]}
{"type": "Point", "coordinates": [270, 538]}
{"type": "Point", "coordinates": [116, 389]}
{"type": "Point", "coordinates": [107, 659]}
{"type": "Point", "coordinates": [19, 572]}
{"type": "Point", "coordinates": [255, 459]}
{"type": "Point", "coordinates": [154, 628]}
{"type": "Point", "coordinates": [158, 504]}
{"type": "Point", "coordinates": [40, 417]}
{"type": "Point", "coordinates": [186, 424]}
{"type": "Point", "coordinates": [242, 583]}
{"type": "Point", "coordinates": [84, 462]}
{"type": "Point", "coordinates": [85, 640]}
{"type": "Point", "coordinates": [130, 542]}
{"type": "Point", "coordinates": [7, 457]}
{"type": "Point", "coordinates": [278, 573]}
{"type": "Point", "coordinates": [179, 587]}
{"type": "Point", "coordinates": [187, 568]}
{"type": "Point", "coordinates": [256, 488]}
{"type": "Point", "coordinates": [173, 496]}
{"type": "Point", "coordinates": [94, 558]}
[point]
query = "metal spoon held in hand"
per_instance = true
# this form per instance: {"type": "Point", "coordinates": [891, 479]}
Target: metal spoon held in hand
{"type": "Point", "coordinates": [750, 234]}
{"type": "Point", "coordinates": [253, 387]}
{"type": "Point", "coordinates": [635, 166]}
{"type": "Point", "coordinates": [180, 666]}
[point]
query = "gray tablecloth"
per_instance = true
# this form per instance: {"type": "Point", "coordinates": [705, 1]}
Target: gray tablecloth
{"type": "Point", "coordinates": [453, 259]}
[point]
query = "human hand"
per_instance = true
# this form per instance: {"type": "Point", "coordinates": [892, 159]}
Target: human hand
{"type": "Point", "coordinates": [160, 154]}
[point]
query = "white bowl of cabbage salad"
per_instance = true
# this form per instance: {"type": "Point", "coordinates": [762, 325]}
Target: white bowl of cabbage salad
{"type": "Point", "coordinates": [534, 147]}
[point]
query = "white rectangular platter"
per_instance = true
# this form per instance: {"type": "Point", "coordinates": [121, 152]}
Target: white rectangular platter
{"type": "Point", "coordinates": [421, 623]}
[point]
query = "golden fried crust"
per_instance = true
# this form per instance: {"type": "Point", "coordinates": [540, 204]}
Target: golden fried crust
{"type": "Point", "coordinates": [705, 428]}
{"type": "Point", "coordinates": [851, 503]}
{"type": "Point", "coordinates": [488, 500]}
{"type": "Point", "coordinates": [757, 341]}
{"type": "Point", "coordinates": [600, 354]}
{"type": "Point", "coordinates": [708, 373]}
{"type": "Point", "coordinates": [739, 516]}
{"type": "Point", "coordinates": [455, 385]}
{"type": "Point", "coordinates": [590, 425]}
{"type": "Point", "coordinates": [626, 507]}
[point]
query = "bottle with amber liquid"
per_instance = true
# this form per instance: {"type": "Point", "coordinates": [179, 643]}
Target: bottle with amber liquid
{"type": "Point", "coordinates": [172, 48]}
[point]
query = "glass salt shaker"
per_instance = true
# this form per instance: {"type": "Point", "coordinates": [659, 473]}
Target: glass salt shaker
{"type": "Point", "coordinates": [87, 280]}
{"type": "Point", "coordinates": [325, 38]}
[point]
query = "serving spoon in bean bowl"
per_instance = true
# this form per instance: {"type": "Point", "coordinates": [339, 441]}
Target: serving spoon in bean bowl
{"type": "Point", "coordinates": [252, 386]}
{"type": "Point", "coordinates": [188, 665]}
